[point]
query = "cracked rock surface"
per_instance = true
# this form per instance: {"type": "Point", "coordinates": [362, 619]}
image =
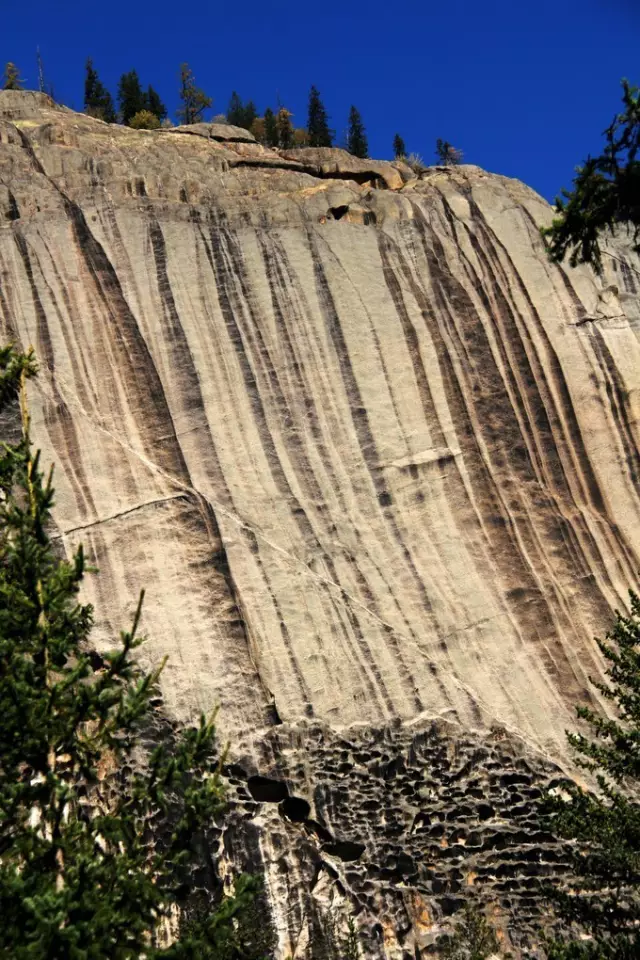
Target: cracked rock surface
{"type": "Point", "coordinates": [373, 458]}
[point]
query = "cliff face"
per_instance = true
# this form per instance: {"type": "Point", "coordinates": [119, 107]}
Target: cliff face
{"type": "Point", "coordinates": [374, 460]}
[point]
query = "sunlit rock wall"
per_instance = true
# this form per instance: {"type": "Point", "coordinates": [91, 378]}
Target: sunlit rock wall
{"type": "Point", "coordinates": [373, 459]}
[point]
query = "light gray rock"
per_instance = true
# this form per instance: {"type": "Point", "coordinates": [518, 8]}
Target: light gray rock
{"type": "Point", "coordinates": [372, 457]}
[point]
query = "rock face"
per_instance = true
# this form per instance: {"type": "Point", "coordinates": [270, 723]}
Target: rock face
{"type": "Point", "coordinates": [374, 460]}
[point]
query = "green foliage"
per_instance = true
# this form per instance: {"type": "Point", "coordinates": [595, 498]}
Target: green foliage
{"type": "Point", "coordinates": [447, 154]}
{"type": "Point", "coordinates": [98, 102]}
{"type": "Point", "coordinates": [144, 120]}
{"type": "Point", "coordinates": [285, 128]}
{"type": "Point", "coordinates": [95, 849]}
{"type": "Point", "coordinates": [12, 79]}
{"type": "Point", "coordinates": [474, 938]}
{"type": "Point", "coordinates": [131, 98]}
{"type": "Point", "coordinates": [270, 128]}
{"type": "Point", "coordinates": [606, 193]}
{"type": "Point", "coordinates": [399, 149]}
{"type": "Point", "coordinates": [194, 100]}
{"type": "Point", "coordinates": [318, 122]}
{"type": "Point", "coordinates": [357, 143]}
{"type": "Point", "coordinates": [241, 114]}
{"type": "Point", "coordinates": [606, 823]}
{"type": "Point", "coordinates": [154, 104]}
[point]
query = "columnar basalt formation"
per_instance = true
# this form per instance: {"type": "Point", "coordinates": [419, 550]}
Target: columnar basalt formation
{"type": "Point", "coordinates": [374, 460]}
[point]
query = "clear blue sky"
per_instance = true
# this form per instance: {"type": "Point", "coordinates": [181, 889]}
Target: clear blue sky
{"type": "Point", "coordinates": [524, 89]}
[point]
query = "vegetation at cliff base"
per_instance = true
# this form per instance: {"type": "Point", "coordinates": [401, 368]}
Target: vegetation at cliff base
{"type": "Point", "coordinates": [606, 193]}
{"type": "Point", "coordinates": [85, 871]}
{"type": "Point", "coordinates": [605, 822]}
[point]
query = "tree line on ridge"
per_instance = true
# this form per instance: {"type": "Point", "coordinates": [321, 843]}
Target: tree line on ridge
{"type": "Point", "coordinates": [141, 108]}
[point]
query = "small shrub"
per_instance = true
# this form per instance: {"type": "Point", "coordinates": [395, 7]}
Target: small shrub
{"type": "Point", "coordinates": [144, 120]}
{"type": "Point", "coordinates": [474, 938]}
{"type": "Point", "coordinates": [417, 164]}
{"type": "Point", "coordinates": [301, 137]}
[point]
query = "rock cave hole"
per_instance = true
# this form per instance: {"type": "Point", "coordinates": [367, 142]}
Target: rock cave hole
{"type": "Point", "coordinates": [339, 212]}
{"type": "Point", "coordinates": [345, 850]}
{"type": "Point", "coordinates": [265, 790]}
{"type": "Point", "coordinates": [295, 809]}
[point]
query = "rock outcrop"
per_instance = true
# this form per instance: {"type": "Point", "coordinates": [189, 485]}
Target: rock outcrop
{"type": "Point", "coordinates": [374, 460]}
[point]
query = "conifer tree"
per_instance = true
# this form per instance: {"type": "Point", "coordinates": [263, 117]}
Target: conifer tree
{"type": "Point", "coordinates": [606, 822]}
{"type": "Point", "coordinates": [399, 149]}
{"type": "Point", "coordinates": [318, 122]}
{"type": "Point", "coordinates": [447, 154]}
{"type": "Point", "coordinates": [84, 873]}
{"type": "Point", "coordinates": [250, 113]}
{"type": "Point", "coordinates": [285, 128]}
{"type": "Point", "coordinates": [241, 114]}
{"type": "Point", "coordinates": [605, 195]}
{"type": "Point", "coordinates": [356, 137]}
{"type": "Point", "coordinates": [131, 98]}
{"type": "Point", "coordinates": [12, 79]}
{"type": "Point", "coordinates": [235, 110]}
{"type": "Point", "coordinates": [98, 102]}
{"type": "Point", "coordinates": [154, 104]}
{"type": "Point", "coordinates": [270, 128]}
{"type": "Point", "coordinates": [194, 100]}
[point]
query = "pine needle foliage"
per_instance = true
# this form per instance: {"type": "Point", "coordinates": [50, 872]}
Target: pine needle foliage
{"type": "Point", "coordinates": [131, 98]}
{"type": "Point", "coordinates": [285, 128]}
{"type": "Point", "coordinates": [605, 823]}
{"type": "Point", "coordinates": [194, 100]}
{"type": "Point", "coordinates": [605, 195]}
{"type": "Point", "coordinates": [357, 143]}
{"type": "Point", "coordinates": [271, 135]}
{"type": "Point", "coordinates": [12, 79]}
{"type": "Point", "coordinates": [98, 102]}
{"type": "Point", "coordinates": [447, 154]}
{"type": "Point", "coordinates": [399, 148]}
{"type": "Point", "coordinates": [83, 873]}
{"type": "Point", "coordinates": [474, 938]}
{"type": "Point", "coordinates": [318, 121]}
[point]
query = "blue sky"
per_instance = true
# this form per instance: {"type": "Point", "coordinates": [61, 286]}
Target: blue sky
{"type": "Point", "coordinates": [524, 89]}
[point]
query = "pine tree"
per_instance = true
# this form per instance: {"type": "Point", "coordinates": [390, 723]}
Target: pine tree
{"type": "Point", "coordinates": [399, 149]}
{"type": "Point", "coordinates": [97, 99]}
{"type": "Point", "coordinates": [270, 128]}
{"type": "Point", "coordinates": [447, 154]}
{"type": "Point", "coordinates": [605, 195]}
{"type": "Point", "coordinates": [84, 871]}
{"type": "Point", "coordinates": [235, 110]}
{"type": "Point", "coordinates": [194, 100]}
{"type": "Point", "coordinates": [241, 114]}
{"type": "Point", "coordinates": [131, 98]}
{"type": "Point", "coordinates": [318, 123]}
{"type": "Point", "coordinates": [250, 113]}
{"type": "Point", "coordinates": [356, 138]}
{"type": "Point", "coordinates": [154, 104]}
{"type": "Point", "coordinates": [285, 128]}
{"type": "Point", "coordinates": [606, 822]}
{"type": "Point", "coordinates": [12, 79]}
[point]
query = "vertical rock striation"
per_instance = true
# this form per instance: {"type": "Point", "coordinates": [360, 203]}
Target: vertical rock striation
{"type": "Point", "coordinates": [374, 459]}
